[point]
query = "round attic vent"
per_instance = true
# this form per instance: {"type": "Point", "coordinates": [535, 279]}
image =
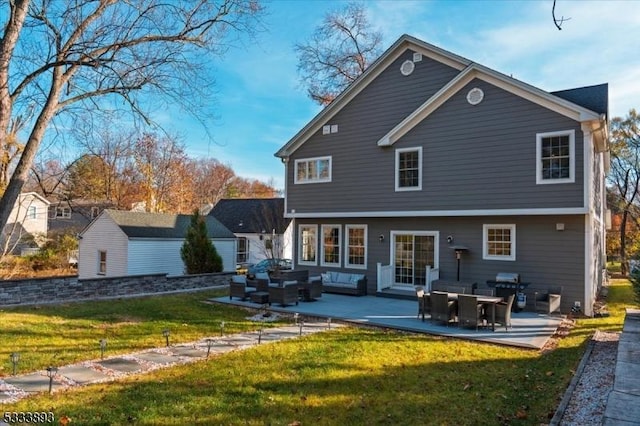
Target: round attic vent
{"type": "Point", "coordinates": [407, 67]}
{"type": "Point", "coordinates": [475, 96]}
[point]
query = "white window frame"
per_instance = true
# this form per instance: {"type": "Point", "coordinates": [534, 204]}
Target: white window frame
{"type": "Point", "coordinates": [572, 157]}
{"type": "Point", "coordinates": [310, 179]}
{"type": "Point", "coordinates": [32, 212]}
{"type": "Point", "coordinates": [347, 228]}
{"type": "Point", "coordinates": [485, 242]}
{"type": "Point", "coordinates": [397, 169]}
{"type": "Point", "coordinates": [301, 261]}
{"type": "Point", "coordinates": [245, 252]}
{"type": "Point", "coordinates": [102, 265]}
{"type": "Point", "coordinates": [63, 212]}
{"type": "Point", "coordinates": [323, 247]}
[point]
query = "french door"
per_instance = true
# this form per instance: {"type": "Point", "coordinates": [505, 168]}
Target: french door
{"type": "Point", "coordinates": [412, 251]}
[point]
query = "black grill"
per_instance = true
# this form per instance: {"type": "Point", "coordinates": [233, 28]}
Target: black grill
{"type": "Point", "coordinates": [507, 284]}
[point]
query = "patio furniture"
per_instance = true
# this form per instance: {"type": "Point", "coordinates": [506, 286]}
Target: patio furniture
{"type": "Point", "coordinates": [442, 309]}
{"type": "Point", "coordinates": [424, 301]}
{"type": "Point", "coordinates": [286, 294]}
{"type": "Point", "coordinates": [260, 297]}
{"type": "Point", "coordinates": [503, 312]}
{"type": "Point", "coordinates": [238, 287]}
{"type": "Point", "coordinates": [311, 290]}
{"type": "Point", "coordinates": [547, 301]}
{"type": "Point", "coordinates": [469, 311]}
{"type": "Point", "coordinates": [449, 286]}
{"type": "Point", "coordinates": [484, 291]}
{"type": "Point", "coordinates": [343, 283]}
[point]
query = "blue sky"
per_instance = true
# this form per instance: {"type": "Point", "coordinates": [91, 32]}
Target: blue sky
{"type": "Point", "coordinates": [260, 104]}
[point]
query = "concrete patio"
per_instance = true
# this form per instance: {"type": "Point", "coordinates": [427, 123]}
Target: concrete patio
{"type": "Point", "coordinates": [530, 330]}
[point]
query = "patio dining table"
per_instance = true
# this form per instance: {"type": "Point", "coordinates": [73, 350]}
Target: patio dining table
{"type": "Point", "coordinates": [490, 301]}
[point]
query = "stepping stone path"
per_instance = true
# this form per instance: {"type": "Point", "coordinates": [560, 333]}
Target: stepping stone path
{"type": "Point", "coordinates": [13, 388]}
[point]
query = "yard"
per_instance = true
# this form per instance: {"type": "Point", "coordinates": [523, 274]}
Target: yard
{"type": "Point", "coordinates": [348, 376]}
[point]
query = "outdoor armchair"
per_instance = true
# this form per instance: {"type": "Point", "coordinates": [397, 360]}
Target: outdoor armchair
{"type": "Point", "coordinates": [286, 294]}
{"type": "Point", "coordinates": [548, 301]}
{"type": "Point", "coordinates": [238, 287]}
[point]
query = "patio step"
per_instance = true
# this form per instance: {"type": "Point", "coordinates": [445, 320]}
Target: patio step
{"type": "Point", "coordinates": [396, 294]}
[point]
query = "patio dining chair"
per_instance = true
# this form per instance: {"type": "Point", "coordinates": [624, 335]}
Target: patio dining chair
{"type": "Point", "coordinates": [442, 309]}
{"type": "Point", "coordinates": [469, 311]}
{"type": "Point", "coordinates": [503, 312]}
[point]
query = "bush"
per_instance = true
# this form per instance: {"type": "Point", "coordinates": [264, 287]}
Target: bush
{"type": "Point", "coordinates": [634, 277]}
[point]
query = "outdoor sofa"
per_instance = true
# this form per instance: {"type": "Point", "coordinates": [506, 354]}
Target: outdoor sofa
{"type": "Point", "coordinates": [344, 283]}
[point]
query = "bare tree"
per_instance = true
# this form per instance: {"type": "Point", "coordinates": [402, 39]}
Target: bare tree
{"type": "Point", "coordinates": [338, 52]}
{"type": "Point", "coordinates": [57, 58]}
{"type": "Point", "coordinates": [558, 21]}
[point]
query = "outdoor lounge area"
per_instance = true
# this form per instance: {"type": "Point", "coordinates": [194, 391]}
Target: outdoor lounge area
{"type": "Point", "coordinates": [528, 329]}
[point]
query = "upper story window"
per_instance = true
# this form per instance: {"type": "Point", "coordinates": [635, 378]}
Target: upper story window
{"type": "Point", "coordinates": [499, 242]}
{"type": "Point", "coordinates": [409, 169]}
{"type": "Point", "coordinates": [32, 212]}
{"type": "Point", "coordinates": [308, 243]}
{"type": "Point", "coordinates": [313, 170]}
{"type": "Point", "coordinates": [555, 159]}
{"type": "Point", "coordinates": [63, 212]}
{"type": "Point", "coordinates": [330, 245]}
{"type": "Point", "coordinates": [102, 262]}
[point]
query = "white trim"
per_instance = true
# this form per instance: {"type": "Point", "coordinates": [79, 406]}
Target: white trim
{"type": "Point", "coordinates": [588, 253]}
{"type": "Point", "coordinates": [437, 213]}
{"type": "Point", "coordinates": [588, 157]}
{"type": "Point", "coordinates": [309, 160]}
{"type": "Point", "coordinates": [347, 227]}
{"type": "Point", "coordinates": [397, 171]}
{"type": "Point", "coordinates": [321, 241]}
{"type": "Point", "coordinates": [299, 238]}
{"type": "Point", "coordinates": [485, 247]}
{"type": "Point", "coordinates": [392, 250]}
{"type": "Point", "coordinates": [572, 157]}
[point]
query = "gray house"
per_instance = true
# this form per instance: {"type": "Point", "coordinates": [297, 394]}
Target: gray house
{"type": "Point", "coordinates": [432, 166]}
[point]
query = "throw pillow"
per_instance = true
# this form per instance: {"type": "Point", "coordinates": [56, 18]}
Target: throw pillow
{"type": "Point", "coordinates": [326, 279]}
{"type": "Point", "coordinates": [240, 279]}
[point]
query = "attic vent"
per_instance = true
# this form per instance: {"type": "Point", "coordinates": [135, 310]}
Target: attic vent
{"type": "Point", "coordinates": [407, 68]}
{"type": "Point", "coordinates": [417, 57]}
{"type": "Point", "coordinates": [475, 96]}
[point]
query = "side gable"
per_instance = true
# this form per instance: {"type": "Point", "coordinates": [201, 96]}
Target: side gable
{"type": "Point", "coordinates": [251, 215]}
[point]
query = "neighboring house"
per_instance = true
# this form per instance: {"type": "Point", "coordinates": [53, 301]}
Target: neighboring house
{"type": "Point", "coordinates": [428, 152]}
{"type": "Point", "coordinates": [26, 227]}
{"type": "Point", "coordinates": [121, 243]}
{"type": "Point", "coordinates": [72, 216]}
{"type": "Point", "coordinates": [260, 226]}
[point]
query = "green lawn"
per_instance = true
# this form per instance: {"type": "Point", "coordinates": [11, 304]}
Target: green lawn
{"type": "Point", "coordinates": [349, 376]}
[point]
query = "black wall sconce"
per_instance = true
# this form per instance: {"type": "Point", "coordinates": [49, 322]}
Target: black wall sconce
{"type": "Point", "coordinates": [381, 238]}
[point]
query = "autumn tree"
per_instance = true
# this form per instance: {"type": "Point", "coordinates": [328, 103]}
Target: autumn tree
{"type": "Point", "coordinates": [61, 57]}
{"type": "Point", "coordinates": [339, 51]}
{"type": "Point", "coordinates": [624, 177]}
{"type": "Point", "coordinates": [198, 252]}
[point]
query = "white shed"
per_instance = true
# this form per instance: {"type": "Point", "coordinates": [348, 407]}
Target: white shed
{"type": "Point", "coordinates": [121, 243]}
{"type": "Point", "coordinates": [27, 223]}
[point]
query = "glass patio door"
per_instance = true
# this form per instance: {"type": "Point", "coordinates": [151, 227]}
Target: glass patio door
{"type": "Point", "coordinates": [412, 252]}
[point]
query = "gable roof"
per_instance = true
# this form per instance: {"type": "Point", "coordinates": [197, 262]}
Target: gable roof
{"type": "Point", "coordinates": [595, 98]}
{"type": "Point", "coordinates": [251, 215]}
{"type": "Point", "coordinates": [468, 71]}
{"type": "Point", "coordinates": [161, 225]}
{"type": "Point", "coordinates": [24, 195]}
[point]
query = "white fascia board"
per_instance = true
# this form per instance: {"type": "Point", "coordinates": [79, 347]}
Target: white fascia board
{"type": "Point", "coordinates": [518, 88]}
{"type": "Point", "coordinates": [437, 213]}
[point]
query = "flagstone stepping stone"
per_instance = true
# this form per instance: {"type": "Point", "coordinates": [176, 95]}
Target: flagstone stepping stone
{"type": "Point", "coordinates": [32, 382]}
{"type": "Point", "coordinates": [156, 357]}
{"type": "Point", "coordinates": [82, 375]}
{"type": "Point", "coordinates": [122, 365]}
{"type": "Point", "coordinates": [187, 352]}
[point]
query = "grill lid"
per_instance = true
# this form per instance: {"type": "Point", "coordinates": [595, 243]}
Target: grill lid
{"type": "Point", "coordinates": [508, 277]}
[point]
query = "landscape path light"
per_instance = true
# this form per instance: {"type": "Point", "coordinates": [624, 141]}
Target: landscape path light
{"type": "Point", "coordinates": [15, 358]}
{"type": "Point", "coordinates": [103, 347]}
{"type": "Point", "coordinates": [166, 333]}
{"type": "Point", "coordinates": [51, 372]}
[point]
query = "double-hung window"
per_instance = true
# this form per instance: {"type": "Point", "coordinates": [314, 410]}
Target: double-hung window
{"type": "Point", "coordinates": [330, 245]}
{"type": "Point", "coordinates": [499, 242]}
{"type": "Point", "coordinates": [102, 262]}
{"type": "Point", "coordinates": [356, 246]}
{"type": "Point", "coordinates": [63, 212]}
{"type": "Point", "coordinates": [555, 157]}
{"type": "Point", "coordinates": [243, 250]}
{"type": "Point", "coordinates": [32, 212]}
{"type": "Point", "coordinates": [308, 243]}
{"type": "Point", "coordinates": [409, 169]}
{"type": "Point", "coordinates": [313, 170]}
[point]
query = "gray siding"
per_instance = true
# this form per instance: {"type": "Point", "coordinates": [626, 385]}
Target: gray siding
{"type": "Point", "coordinates": [544, 256]}
{"type": "Point", "coordinates": [474, 157]}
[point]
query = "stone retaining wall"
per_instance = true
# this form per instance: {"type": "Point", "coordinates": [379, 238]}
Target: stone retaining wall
{"type": "Point", "coordinates": [70, 288]}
